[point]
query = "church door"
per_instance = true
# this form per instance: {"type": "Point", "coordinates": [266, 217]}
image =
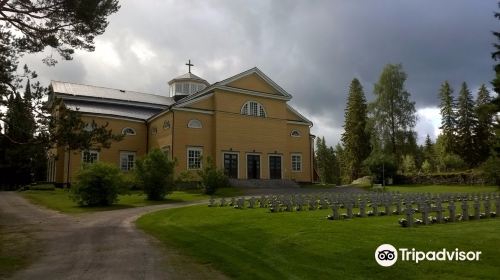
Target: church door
{"type": "Point", "coordinates": [253, 166]}
{"type": "Point", "coordinates": [274, 167]}
{"type": "Point", "coordinates": [231, 165]}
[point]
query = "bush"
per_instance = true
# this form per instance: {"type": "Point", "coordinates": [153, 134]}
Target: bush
{"type": "Point", "coordinates": [155, 174]}
{"type": "Point", "coordinates": [97, 184]}
{"type": "Point", "coordinates": [211, 178]}
{"type": "Point", "coordinates": [491, 170]}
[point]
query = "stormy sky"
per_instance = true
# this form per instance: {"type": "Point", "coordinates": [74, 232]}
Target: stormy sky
{"type": "Point", "coordinates": [313, 49]}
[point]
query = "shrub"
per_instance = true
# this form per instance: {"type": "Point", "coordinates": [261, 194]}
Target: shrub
{"type": "Point", "coordinates": [491, 170]}
{"type": "Point", "coordinates": [211, 178]}
{"type": "Point", "coordinates": [97, 184]}
{"type": "Point", "coordinates": [155, 174]}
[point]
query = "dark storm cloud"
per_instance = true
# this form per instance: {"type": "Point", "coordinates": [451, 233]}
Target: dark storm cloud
{"type": "Point", "coordinates": [313, 49]}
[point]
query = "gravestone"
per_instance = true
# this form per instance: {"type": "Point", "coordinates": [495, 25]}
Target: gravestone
{"type": "Point", "coordinates": [233, 201]}
{"type": "Point", "coordinates": [375, 208]}
{"type": "Point", "coordinates": [362, 208]}
{"type": "Point", "coordinates": [312, 204]}
{"type": "Point", "coordinates": [477, 209]}
{"type": "Point", "coordinates": [211, 202]}
{"type": "Point", "coordinates": [451, 208]}
{"type": "Point", "coordinates": [222, 202]}
{"type": "Point", "coordinates": [324, 204]}
{"type": "Point", "coordinates": [487, 207]}
{"type": "Point", "coordinates": [409, 214]}
{"type": "Point", "coordinates": [335, 211]}
{"type": "Point", "coordinates": [425, 214]}
{"type": "Point", "coordinates": [399, 206]}
{"type": "Point", "coordinates": [289, 205]}
{"type": "Point", "coordinates": [349, 207]}
{"type": "Point", "coordinates": [439, 212]}
{"type": "Point", "coordinates": [388, 210]}
{"type": "Point", "coordinates": [240, 203]}
{"type": "Point", "coordinates": [251, 202]}
{"type": "Point", "coordinates": [465, 210]}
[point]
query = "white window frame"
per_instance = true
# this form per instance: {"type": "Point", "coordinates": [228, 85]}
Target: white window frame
{"type": "Point", "coordinates": [130, 132]}
{"type": "Point", "coordinates": [90, 152]}
{"type": "Point", "coordinates": [195, 149]}
{"type": "Point", "coordinates": [299, 162]}
{"type": "Point", "coordinates": [260, 111]}
{"type": "Point", "coordinates": [126, 154]}
{"type": "Point", "coordinates": [298, 134]}
{"type": "Point", "coordinates": [194, 123]}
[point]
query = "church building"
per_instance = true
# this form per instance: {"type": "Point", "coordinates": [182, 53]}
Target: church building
{"type": "Point", "coordinates": [244, 123]}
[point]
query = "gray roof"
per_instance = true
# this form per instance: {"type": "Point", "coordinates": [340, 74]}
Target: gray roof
{"type": "Point", "coordinates": [111, 109]}
{"type": "Point", "coordinates": [189, 76]}
{"type": "Point", "coordinates": [109, 93]}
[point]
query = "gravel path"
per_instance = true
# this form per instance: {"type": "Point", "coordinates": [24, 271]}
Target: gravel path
{"type": "Point", "coordinates": [100, 245]}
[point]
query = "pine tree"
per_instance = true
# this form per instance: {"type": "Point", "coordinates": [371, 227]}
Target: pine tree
{"type": "Point", "coordinates": [355, 138]}
{"type": "Point", "coordinates": [448, 117]}
{"type": "Point", "coordinates": [429, 153]}
{"type": "Point", "coordinates": [484, 130]}
{"type": "Point", "coordinates": [466, 125]}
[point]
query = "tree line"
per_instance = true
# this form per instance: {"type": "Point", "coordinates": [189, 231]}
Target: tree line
{"type": "Point", "coordinates": [379, 137]}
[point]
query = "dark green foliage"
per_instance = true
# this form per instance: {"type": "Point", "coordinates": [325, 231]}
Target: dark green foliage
{"type": "Point", "coordinates": [355, 138]}
{"type": "Point", "coordinates": [155, 174]}
{"type": "Point", "coordinates": [97, 184]}
{"type": "Point", "coordinates": [24, 160]}
{"type": "Point", "coordinates": [491, 169]}
{"type": "Point", "coordinates": [429, 154]}
{"type": "Point", "coordinates": [328, 166]}
{"type": "Point", "coordinates": [448, 117]}
{"type": "Point", "coordinates": [483, 133]}
{"type": "Point", "coordinates": [466, 125]}
{"type": "Point", "coordinates": [212, 178]}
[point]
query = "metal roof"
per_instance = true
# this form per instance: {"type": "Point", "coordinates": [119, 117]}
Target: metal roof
{"type": "Point", "coordinates": [189, 76]}
{"type": "Point", "coordinates": [110, 109]}
{"type": "Point", "coordinates": [109, 93]}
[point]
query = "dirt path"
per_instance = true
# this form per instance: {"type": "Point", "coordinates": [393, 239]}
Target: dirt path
{"type": "Point", "coordinates": [101, 245]}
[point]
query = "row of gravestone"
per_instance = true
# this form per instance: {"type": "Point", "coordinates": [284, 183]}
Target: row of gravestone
{"type": "Point", "coordinates": [465, 215]}
{"type": "Point", "coordinates": [299, 202]}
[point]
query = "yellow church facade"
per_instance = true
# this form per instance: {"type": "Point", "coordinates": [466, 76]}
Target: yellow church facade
{"type": "Point", "coordinates": [244, 123]}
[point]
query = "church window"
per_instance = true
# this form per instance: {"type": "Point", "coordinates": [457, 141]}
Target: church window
{"type": "Point", "coordinates": [90, 156]}
{"type": "Point", "coordinates": [296, 162]}
{"type": "Point", "coordinates": [178, 87]}
{"type": "Point", "coordinates": [185, 88]}
{"type": "Point", "coordinates": [194, 124]}
{"type": "Point", "coordinates": [194, 158]}
{"type": "Point", "coordinates": [128, 131]}
{"type": "Point", "coordinates": [252, 108]}
{"type": "Point", "coordinates": [295, 133]}
{"type": "Point", "coordinates": [127, 161]}
{"type": "Point", "coordinates": [154, 131]}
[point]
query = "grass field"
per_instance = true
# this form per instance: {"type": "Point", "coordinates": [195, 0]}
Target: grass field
{"type": "Point", "coordinates": [256, 244]}
{"type": "Point", "coordinates": [16, 251]}
{"type": "Point", "coordinates": [59, 200]}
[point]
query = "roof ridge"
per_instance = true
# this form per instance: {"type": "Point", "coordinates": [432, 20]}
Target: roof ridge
{"type": "Point", "coordinates": [87, 85]}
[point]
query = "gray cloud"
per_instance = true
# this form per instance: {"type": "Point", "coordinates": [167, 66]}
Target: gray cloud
{"type": "Point", "coordinates": [313, 49]}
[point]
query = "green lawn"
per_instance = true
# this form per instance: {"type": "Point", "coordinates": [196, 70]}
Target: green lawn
{"type": "Point", "coordinates": [59, 200]}
{"type": "Point", "coordinates": [16, 251]}
{"type": "Point", "coordinates": [256, 244]}
{"type": "Point", "coordinates": [441, 188]}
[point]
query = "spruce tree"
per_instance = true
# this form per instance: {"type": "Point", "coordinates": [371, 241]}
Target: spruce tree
{"type": "Point", "coordinates": [429, 153]}
{"type": "Point", "coordinates": [466, 125]}
{"type": "Point", "coordinates": [355, 138]}
{"type": "Point", "coordinates": [484, 129]}
{"type": "Point", "coordinates": [448, 117]}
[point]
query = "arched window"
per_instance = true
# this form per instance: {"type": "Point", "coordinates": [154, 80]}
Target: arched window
{"type": "Point", "coordinates": [252, 108]}
{"type": "Point", "coordinates": [194, 124]}
{"type": "Point", "coordinates": [128, 131]}
{"type": "Point", "coordinates": [166, 124]}
{"type": "Point", "coordinates": [295, 133]}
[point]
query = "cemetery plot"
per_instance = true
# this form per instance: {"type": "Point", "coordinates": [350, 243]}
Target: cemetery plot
{"type": "Point", "coordinates": [416, 208]}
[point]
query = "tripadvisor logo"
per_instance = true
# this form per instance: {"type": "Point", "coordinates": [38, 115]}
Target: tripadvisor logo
{"type": "Point", "coordinates": [387, 255]}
